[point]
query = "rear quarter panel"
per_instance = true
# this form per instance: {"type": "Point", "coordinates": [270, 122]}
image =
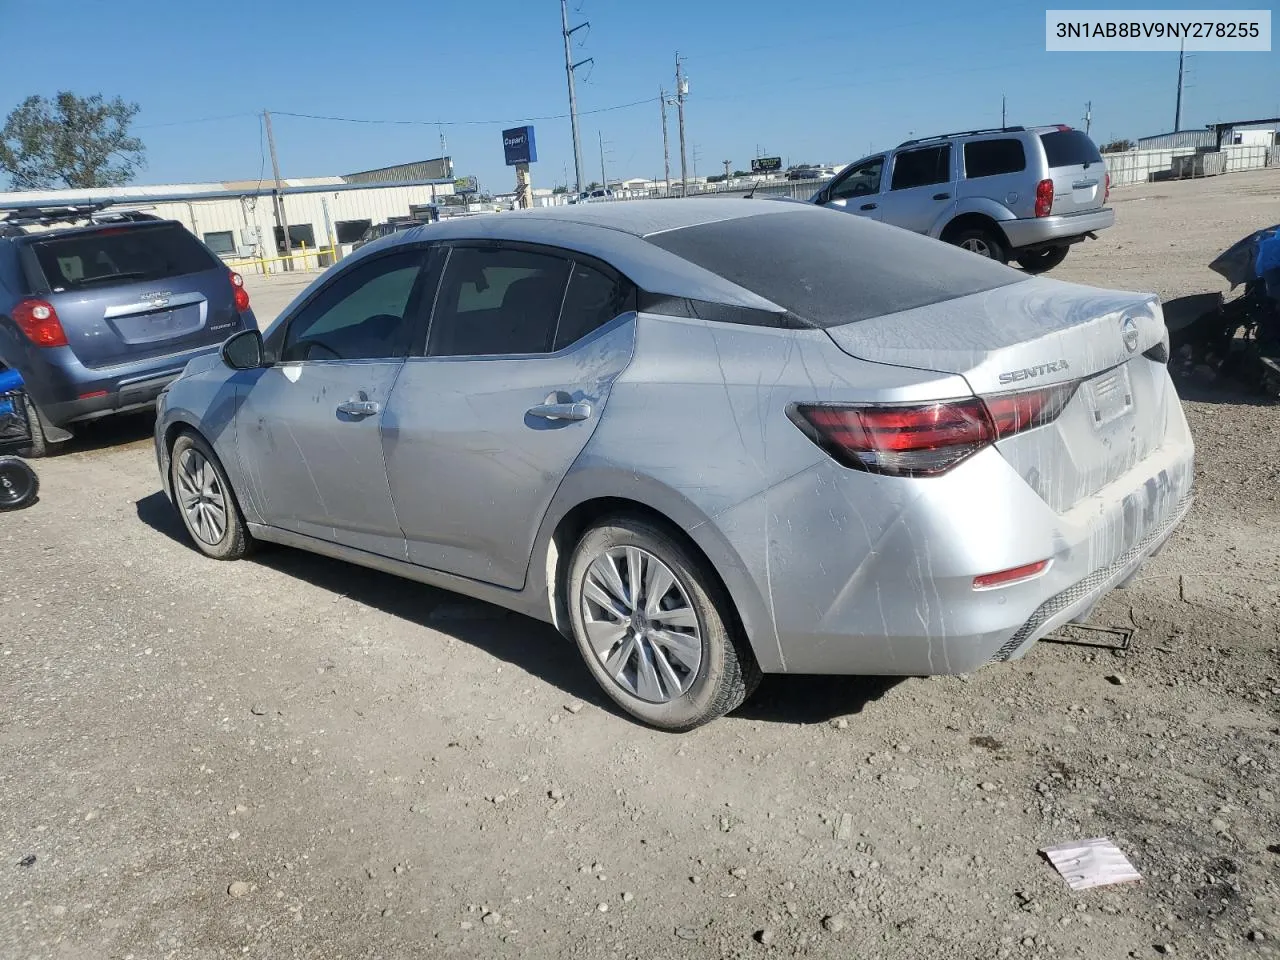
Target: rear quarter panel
{"type": "Point", "coordinates": [697, 425]}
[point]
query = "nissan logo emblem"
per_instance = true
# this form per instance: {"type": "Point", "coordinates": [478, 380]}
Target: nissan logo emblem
{"type": "Point", "coordinates": [1129, 334]}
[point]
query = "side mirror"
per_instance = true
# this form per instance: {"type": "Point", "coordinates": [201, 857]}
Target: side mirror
{"type": "Point", "coordinates": [838, 202]}
{"type": "Point", "coordinates": [243, 351]}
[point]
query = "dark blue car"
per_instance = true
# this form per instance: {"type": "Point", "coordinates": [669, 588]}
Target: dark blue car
{"type": "Point", "coordinates": [99, 311]}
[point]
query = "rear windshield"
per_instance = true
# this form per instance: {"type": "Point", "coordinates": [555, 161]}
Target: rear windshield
{"type": "Point", "coordinates": [829, 268]}
{"type": "Point", "coordinates": [115, 255]}
{"type": "Point", "coordinates": [1069, 148]}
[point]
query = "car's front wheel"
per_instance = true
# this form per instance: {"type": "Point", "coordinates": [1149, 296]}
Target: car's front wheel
{"type": "Point", "coordinates": [1042, 260]}
{"type": "Point", "coordinates": [205, 500]}
{"type": "Point", "coordinates": [655, 627]}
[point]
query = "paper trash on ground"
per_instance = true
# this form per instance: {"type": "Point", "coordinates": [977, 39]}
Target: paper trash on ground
{"type": "Point", "coordinates": [1091, 863]}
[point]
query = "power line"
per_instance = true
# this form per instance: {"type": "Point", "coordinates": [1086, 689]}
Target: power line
{"type": "Point", "coordinates": [462, 123]}
{"type": "Point", "coordinates": [181, 123]}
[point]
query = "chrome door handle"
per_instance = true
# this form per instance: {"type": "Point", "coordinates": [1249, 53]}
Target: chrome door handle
{"type": "Point", "coordinates": [359, 408]}
{"type": "Point", "coordinates": [561, 411]}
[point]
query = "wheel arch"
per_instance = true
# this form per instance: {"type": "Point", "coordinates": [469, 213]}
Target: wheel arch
{"type": "Point", "coordinates": [572, 515]}
{"type": "Point", "coordinates": [972, 220]}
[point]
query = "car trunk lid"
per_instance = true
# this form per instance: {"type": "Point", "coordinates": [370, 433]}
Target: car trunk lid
{"type": "Point", "coordinates": [133, 292]}
{"type": "Point", "coordinates": [1077, 170]}
{"type": "Point", "coordinates": [1035, 334]}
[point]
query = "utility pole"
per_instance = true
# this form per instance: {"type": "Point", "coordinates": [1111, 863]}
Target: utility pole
{"type": "Point", "coordinates": [1177, 110]}
{"type": "Point", "coordinates": [666, 148]}
{"type": "Point", "coordinates": [282, 219]}
{"type": "Point", "coordinates": [682, 90]}
{"type": "Point", "coordinates": [1088, 116]}
{"type": "Point", "coordinates": [569, 68]}
{"type": "Point", "coordinates": [604, 181]}
{"type": "Point", "coordinates": [1003, 122]}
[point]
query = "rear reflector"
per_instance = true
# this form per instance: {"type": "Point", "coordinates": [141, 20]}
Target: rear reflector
{"type": "Point", "coordinates": [925, 440]}
{"type": "Point", "coordinates": [39, 321]}
{"type": "Point", "coordinates": [1004, 578]}
{"type": "Point", "coordinates": [94, 395]}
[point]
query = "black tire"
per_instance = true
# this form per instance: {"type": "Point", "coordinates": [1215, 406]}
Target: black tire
{"type": "Point", "coordinates": [39, 446]}
{"type": "Point", "coordinates": [1042, 261]}
{"type": "Point", "coordinates": [19, 485]}
{"type": "Point", "coordinates": [235, 540]}
{"type": "Point", "coordinates": [982, 241]}
{"type": "Point", "coordinates": [726, 673]}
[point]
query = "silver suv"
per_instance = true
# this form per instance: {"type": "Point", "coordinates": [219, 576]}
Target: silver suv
{"type": "Point", "coordinates": [1014, 193]}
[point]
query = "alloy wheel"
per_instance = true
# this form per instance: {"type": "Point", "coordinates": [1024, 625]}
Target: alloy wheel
{"type": "Point", "coordinates": [641, 624]}
{"type": "Point", "coordinates": [201, 497]}
{"type": "Point", "coordinates": [977, 245]}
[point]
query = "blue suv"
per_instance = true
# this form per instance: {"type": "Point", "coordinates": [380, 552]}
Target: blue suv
{"type": "Point", "coordinates": [100, 310]}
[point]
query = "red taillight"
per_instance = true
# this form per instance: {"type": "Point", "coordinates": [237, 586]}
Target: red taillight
{"type": "Point", "coordinates": [1004, 578]}
{"type": "Point", "coordinates": [241, 294]}
{"type": "Point", "coordinates": [1107, 193]}
{"type": "Point", "coordinates": [1044, 198]}
{"type": "Point", "coordinates": [1014, 412]}
{"type": "Point", "coordinates": [1063, 128]}
{"type": "Point", "coordinates": [928, 439]}
{"type": "Point", "coordinates": [39, 321]}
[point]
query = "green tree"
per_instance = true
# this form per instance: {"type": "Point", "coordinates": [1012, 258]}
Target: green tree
{"type": "Point", "coordinates": [70, 141]}
{"type": "Point", "coordinates": [1117, 146]}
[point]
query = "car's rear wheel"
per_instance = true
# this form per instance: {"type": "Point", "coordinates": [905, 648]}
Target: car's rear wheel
{"type": "Point", "coordinates": [983, 242]}
{"type": "Point", "coordinates": [655, 627]}
{"type": "Point", "coordinates": [39, 445]}
{"type": "Point", "coordinates": [1042, 260]}
{"type": "Point", "coordinates": [19, 485]}
{"type": "Point", "coordinates": [206, 503]}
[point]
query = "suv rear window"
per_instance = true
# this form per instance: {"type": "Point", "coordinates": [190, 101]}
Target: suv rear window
{"type": "Point", "coordinates": [989, 158]}
{"type": "Point", "coordinates": [116, 255]}
{"type": "Point", "coordinates": [1069, 148]}
{"type": "Point", "coordinates": [829, 268]}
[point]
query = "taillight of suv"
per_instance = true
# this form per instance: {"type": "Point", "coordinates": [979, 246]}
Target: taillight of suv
{"type": "Point", "coordinates": [39, 322]}
{"type": "Point", "coordinates": [1044, 198]}
{"type": "Point", "coordinates": [241, 294]}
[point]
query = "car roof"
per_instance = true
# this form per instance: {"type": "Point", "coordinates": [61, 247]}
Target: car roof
{"type": "Point", "coordinates": [35, 236]}
{"type": "Point", "coordinates": [615, 233]}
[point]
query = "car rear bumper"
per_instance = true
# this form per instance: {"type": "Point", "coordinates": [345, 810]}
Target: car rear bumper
{"type": "Point", "coordinates": [68, 392]}
{"type": "Point", "coordinates": [1046, 230]}
{"type": "Point", "coordinates": [874, 575]}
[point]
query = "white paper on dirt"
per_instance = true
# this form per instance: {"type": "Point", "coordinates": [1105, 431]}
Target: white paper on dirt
{"type": "Point", "coordinates": [1091, 863]}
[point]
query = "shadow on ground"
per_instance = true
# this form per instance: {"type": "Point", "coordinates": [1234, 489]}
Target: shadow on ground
{"type": "Point", "coordinates": [109, 433]}
{"type": "Point", "coordinates": [535, 647]}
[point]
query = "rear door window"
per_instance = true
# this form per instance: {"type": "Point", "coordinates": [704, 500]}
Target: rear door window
{"type": "Point", "coordinates": [117, 255]}
{"type": "Point", "coordinates": [921, 168]}
{"type": "Point", "coordinates": [990, 158]}
{"type": "Point", "coordinates": [494, 301]}
{"type": "Point", "coordinates": [1069, 148]}
{"type": "Point", "coordinates": [594, 298]}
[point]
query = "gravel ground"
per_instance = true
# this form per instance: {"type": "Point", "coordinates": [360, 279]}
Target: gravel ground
{"type": "Point", "coordinates": [291, 757]}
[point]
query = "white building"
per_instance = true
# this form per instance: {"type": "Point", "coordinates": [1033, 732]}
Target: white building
{"type": "Point", "coordinates": [237, 219]}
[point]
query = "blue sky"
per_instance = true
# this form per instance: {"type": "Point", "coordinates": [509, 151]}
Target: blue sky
{"type": "Point", "coordinates": [820, 83]}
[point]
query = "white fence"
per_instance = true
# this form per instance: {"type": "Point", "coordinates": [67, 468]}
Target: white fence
{"type": "Point", "coordinates": [1143, 166]}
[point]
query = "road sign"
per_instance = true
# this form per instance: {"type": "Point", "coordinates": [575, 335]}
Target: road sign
{"type": "Point", "coordinates": [518, 145]}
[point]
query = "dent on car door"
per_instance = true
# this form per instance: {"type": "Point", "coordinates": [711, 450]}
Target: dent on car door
{"type": "Point", "coordinates": [524, 346]}
{"type": "Point", "coordinates": [309, 427]}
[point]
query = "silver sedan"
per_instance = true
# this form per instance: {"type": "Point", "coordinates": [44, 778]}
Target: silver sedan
{"type": "Point", "coordinates": [707, 439]}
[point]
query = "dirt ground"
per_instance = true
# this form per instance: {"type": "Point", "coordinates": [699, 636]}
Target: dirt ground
{"type": "Point", "coordinates": [292, 757]}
